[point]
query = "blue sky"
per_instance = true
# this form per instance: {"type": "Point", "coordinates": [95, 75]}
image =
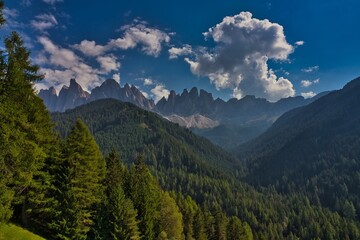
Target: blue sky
{"type": "Point", "coordinates": [233, 48]}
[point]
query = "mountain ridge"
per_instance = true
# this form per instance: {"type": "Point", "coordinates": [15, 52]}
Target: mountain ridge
{"type": "Point", "coordinates": [243, 119]}
{"type": "Point", "coordinates": [73, 95]}
{"type": "Point", "coordinates": [314, 149]}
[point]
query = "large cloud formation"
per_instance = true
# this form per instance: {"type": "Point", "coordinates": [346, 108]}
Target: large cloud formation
{"type": "Point", "coordinates": [244, 45]}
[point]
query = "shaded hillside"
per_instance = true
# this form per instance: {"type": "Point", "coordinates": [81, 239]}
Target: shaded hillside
{"type": "Point", "coordinates": [130, 130]}
{"type": "Point", "coordinates": [315, 149]}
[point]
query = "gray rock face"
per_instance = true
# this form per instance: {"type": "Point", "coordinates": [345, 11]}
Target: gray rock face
{"type": "Point", "coordinates": [73, 95]}
{"type": "Point", "coordinates": [227, 124]}
{"type": "Point", "coordinates": [49, 97]}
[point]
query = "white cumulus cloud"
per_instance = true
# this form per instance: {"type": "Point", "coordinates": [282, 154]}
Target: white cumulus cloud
{"type": "Point", "coordinates": [175, 52]}
{"type": "Point", "coordinates": [239, 61]}
{"type": "Point", "coordinates": [299, 43]}
{"type": "Point", "coordinates": [159, 91]}
{"type": "Point", "coordinates": [308, 94]}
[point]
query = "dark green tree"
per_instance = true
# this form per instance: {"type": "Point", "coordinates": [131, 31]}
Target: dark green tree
{"type": "Point", "coordinates": [84, 172]}
{"type": "Point", "coordinates": [118, 216]}
{"type": "Point", "coordinates": [220, 225]}
{"type": "Point", "coordinates": [171, 222]}
{"type": "Point", "coordinates": [145, 194]}
{"type": "Point", "coordinates": [234, 229]}
{"type": "Point", "coordinates": [199, 226]}
{"type": "Point", "coordinates": [25, 127]}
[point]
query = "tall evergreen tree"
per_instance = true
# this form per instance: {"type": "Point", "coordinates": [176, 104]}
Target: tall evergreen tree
{"type": "Point", "coordinates": [234, 229]}
{"type": "Point", "coordinates": [199, 226]}
{"type": "Point", "coordinates": [25, 125]}
{"type": "Point", "coordinates": [171, 222]}
{"type": "Point", "coordinates": [84, 172]}
{"type": "Point", "coordinates": [117, 220]}
{"type": "Point", "coordinates": [145, 194]}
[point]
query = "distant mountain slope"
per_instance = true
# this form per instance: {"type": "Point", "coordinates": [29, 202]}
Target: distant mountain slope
{"type": "Point", "coordinates": [73, 95]}
{"type": "Point", "coordinates": [239, 120]}
{"type": "Point", "coordinates": [315, 148]}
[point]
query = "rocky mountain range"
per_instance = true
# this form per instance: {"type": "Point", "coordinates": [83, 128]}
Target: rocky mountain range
{"type": "Point", "coordinates": [73, 95]}
{"type": "Point", "coordinates": [233, 122]}
{"type": "Point", "coordinates": [226, 123]}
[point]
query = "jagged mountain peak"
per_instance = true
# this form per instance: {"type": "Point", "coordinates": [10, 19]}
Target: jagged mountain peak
{"type": "Point", "coordinates": [73, 95]}
{"type": "Point", "coordinates": [194, 92]}
{"type": "Point", "coordinates": [184, 93]}
{"type": "Point", "coordinates": [73, 81]}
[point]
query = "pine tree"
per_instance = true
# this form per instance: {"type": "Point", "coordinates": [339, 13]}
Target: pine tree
{"type": "Point", "coordinates": [43, 195]}
{"type": "Point", "coordinates": [171, 221]}
{"type": "Point", "coordinates": [234, 229]}
{"type": "Point", "coordinates": [84, 172]}
{"type": "Point", "coordinates": [118, 216]}
{"type": "Point", "coordinates": [220, 225]}
{"type": "Point", "coordinates": [25, 127]}
{"type": "Point", "coordinates": [199, 226]}
{"type": "Point", "coordinates": [145, 194]}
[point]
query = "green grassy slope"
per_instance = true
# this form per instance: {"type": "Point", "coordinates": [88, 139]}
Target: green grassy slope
{"type": "Point", "coordinates": [13, 232]}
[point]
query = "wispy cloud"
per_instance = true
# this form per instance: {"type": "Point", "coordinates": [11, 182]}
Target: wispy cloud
{"type": "Point", "coordinates": [310, 69]}
{"type": "Point", "coordinates": [149, 39]}
{"type": "Point", "coordinates": [90, 48]}
{"type": "Point", "coordinates": [11, 13]}
{"type": "Point", "coordinates": [52, 2]}
{"type": "Point", "coordinates": [26, 3]}
{"type": "Point", "coordinates": [44, 22]}
{"type": "Point", "coordinates": [183, 51]}
{"type": "Point", "coordinates": [108, 63]}
{"type": "Point", "coordinates": [308, 83]}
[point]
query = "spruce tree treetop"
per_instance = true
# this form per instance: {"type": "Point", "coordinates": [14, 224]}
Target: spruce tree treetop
{"type": "Point", "coordinates": [85, 173]}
